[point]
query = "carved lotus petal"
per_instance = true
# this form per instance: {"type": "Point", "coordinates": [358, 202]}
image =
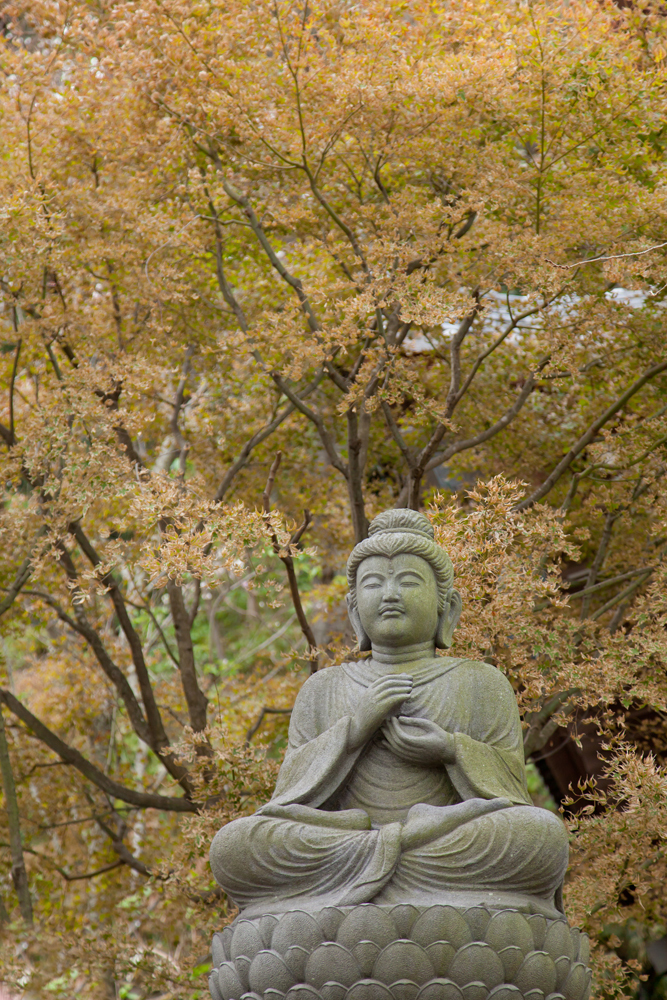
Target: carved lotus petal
{"type": "Point", "coordinates": [404, 989]}
{"type": "Point", "coordinates": [366, 923]}
{"type": "Point", "coordinates": [333, 991]}
{"type": "Point", "coordinates": [296, 958]}
{"type": "Point", "coordinates": [404, 916]}
{"type": "Point", "coordinates": [538, 926]}
{"type": "Point", "coordinates": [270, 969]}
{"type": "Point", "coordinates": [251, 996]}
{"type": "Point", "coordinates": [475, 991]}
{"type": "Point", "coordinates": [576, 986]}
{"type": "Point", "coordinates": [441, 923]}
{"type": "Point", "coordinates": [440, 989]}
{"type": "Point", "coordinates": [330, 919]}
{"type": "Point", "coordinates": [366, 953]}
{"type": "Point", "coordinates": [369, 989]}
{"type": "Point", "coordinates": [563, 966]}
{"type": "Point", "coordinates": [575, 934]}
{"type": "Point", "coordinates": [246, 940]}
{"type": "Point", "coordinates": [533, 995]}
{"type": "Point", "coordinates": [331, 962]}
{"type": "Point", "coordinates": [584, 954]}
{"type": "Point", "coordinates": [538, 972]}
{"type": "Point", "coordinates": [303, 992]}
{"type": "Point", "coordinates": [476, 962]}
{"type": "Point", "coordinates": [266, 926]}
{"type": "Point", "coordinates": [512, 959]}
{"type": "Point", "coordinates": [219, 952]}
{"type": "Point", "coordinates": [505, 992]}
{"type": "Point", "coordinates": [229, 982]}
{"type": "Point", "coordinates": [296, 927]}
{"type": "Point", "coordinates": [272, 994]}
{"type": "Point", "coordinates": [508, 927]}
{"type": "Point", "coordinates": [558, 940]}
{"type": "Point", "coordinates": [555, 996]}
{"type": "Point", "coordinates": [214, 987]}
{"type": "Point", "coordinates": [441, 954]}
{"type": "Point", "coordinates": [478, 920]}
{"type": "Point", "coordinates": [242, 966]}
{"type": "Point", "coordinates": [400, 957]}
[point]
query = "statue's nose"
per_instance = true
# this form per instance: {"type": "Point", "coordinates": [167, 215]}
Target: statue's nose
{"type": "Point", "coordinates": [390, 591]}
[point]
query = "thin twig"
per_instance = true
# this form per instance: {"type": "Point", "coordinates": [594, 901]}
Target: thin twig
{"type": "Point", "coordinates": [260, 719]}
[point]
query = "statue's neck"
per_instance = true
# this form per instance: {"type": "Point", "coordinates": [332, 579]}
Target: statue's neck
{"type": "Point", "coordinates": [401, 655]}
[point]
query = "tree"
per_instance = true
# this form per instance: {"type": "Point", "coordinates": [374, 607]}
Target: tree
{"type": "Point", "coordinates": [404, 245]}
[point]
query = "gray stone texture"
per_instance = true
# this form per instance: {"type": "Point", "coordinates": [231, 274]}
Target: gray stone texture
{"type": "Point", "coordinates": [400, 855]}
{"type": "Point", "coordinates": [433, 953]}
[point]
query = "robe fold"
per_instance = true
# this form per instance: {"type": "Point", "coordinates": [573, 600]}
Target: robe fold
{"type": "Point", "coordinates": [332, 833]}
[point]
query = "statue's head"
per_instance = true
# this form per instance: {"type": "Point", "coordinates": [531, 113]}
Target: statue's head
{"type": "Point", "coordinates": [401, 584]}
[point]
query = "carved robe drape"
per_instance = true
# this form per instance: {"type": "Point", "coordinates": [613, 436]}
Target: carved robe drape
{"type": "Point", "coordinates": [331, 835]}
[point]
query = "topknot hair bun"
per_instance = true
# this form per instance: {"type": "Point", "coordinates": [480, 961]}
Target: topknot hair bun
{"type": "Point", "coordinates": [404, 520]}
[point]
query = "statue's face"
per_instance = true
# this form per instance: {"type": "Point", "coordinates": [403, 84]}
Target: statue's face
{"type": "Point", "coordinates": [397, 600]}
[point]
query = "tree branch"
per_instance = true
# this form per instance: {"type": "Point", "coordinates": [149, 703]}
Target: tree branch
{"type": "Point", "coordinates": [195, 697]}
{"type": "Point", "coordinates": [258, 230]}
{"type": "Point", "coordinates": [589, 435]}
{"type": "Point", "coordinates": [499, 425]}
{"type": "Point", "coordinates": [144, 800]}
{"type": "Point", "coordinates": [159, 741]}
{"type": "Point", "coordinates": [288, 563]}
{"type": "Point", "coordinates": [260, 719]}
{"type": "Point", "coordinates": [19, 873]}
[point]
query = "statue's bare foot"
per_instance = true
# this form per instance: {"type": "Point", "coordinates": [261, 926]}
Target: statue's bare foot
{"type": "Point", "coordinates": [426, 823]}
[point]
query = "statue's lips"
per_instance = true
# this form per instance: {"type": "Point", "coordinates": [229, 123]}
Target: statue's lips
{"type": "Point", "coordinates": [391, 613]}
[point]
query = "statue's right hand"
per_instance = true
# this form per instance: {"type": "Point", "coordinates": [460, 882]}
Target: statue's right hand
{"type": "Point", "coordinates": [378, 702]}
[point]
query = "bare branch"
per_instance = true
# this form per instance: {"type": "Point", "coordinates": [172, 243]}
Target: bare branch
{"type": "Point", "coordinates": [288, 562]}
{"type": "Point", "coordinates": [614, 256]}
{"type": "Point", "coordinates": [19, 873]}
{"type": "Point", "coordinates": [627, 592]}
{"type": "Point", "coordinates": [396, 433]}
{"type": "Point", "coordinates": [195, 697]}
{"type": "Point", "coordinates": [589, 436]}
{"type": "Point", "coordinates": [260, 719]}
{"type": "Point", "coordinates": [325, 436]}
{"type": "Point", "coordinates": [258, 229]}
{"type": "Point", "coordinates": [499, 425]}
{"type": "Point", "coordinates": [83, 627]}
{"type": "Point", "coordinates": [600, 556]}
{"type": "Point", "coordinates": [144, 800]}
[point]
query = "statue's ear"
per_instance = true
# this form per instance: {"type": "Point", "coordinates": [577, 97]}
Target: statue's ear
{"type": "Point", "coordinates": [448, 621]}
{"type": "Point", "coordinates": [355, 618]}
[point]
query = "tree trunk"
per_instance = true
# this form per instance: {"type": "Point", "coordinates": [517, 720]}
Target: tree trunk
{"type": "Point", "coordinates": [19, 873]}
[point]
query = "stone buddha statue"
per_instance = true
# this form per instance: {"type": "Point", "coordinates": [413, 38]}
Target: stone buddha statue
{"type": "Point", "coordinates": [404, 779]}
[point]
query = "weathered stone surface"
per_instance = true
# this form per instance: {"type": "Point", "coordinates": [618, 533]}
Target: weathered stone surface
{"type": "Point", "coordinates": [366, 953]}
{"type": "Point", "coordinates": [441, 923]}
{"type": "Point", "coordinates": [509, 928]}
{"type": "Point", "coordinates": [399, 958]}
{"type": "Point", "coordinates": [538, 972]}
{"type": "Point", "coordinates": [476, 962]}
{"type": "Point", "coordinates": [367, 923]}
{"type": "Point", "coordinates": [331, 962]}
{"type": "Point", "coordinates": [441, 954]}
{"type": "Point", "coordinates": [296, 927]}
{"type": "Point", "coordinates": [440, 989]}
{"type": "Point", "coordinates": [331, 969]}
{"type": "Point", "coordinates": [267, 969]}
{"type": "Point", "coordinates": [401, 857]}
{"type": "Point", "coordinates": [246, 939]}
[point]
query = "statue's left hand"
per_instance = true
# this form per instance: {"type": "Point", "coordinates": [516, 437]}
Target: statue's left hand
{"type": "Point", "coordinates": [419, 741]}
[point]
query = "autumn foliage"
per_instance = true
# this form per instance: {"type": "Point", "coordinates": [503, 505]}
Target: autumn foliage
{"type": "Point", "coordinates": [417, 248]}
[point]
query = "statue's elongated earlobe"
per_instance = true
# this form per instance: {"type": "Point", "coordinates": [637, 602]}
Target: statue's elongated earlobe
{"type": "Point", "coordinates": [355, 618]}
{"type": "Point", "coordinates": [448, 621]}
